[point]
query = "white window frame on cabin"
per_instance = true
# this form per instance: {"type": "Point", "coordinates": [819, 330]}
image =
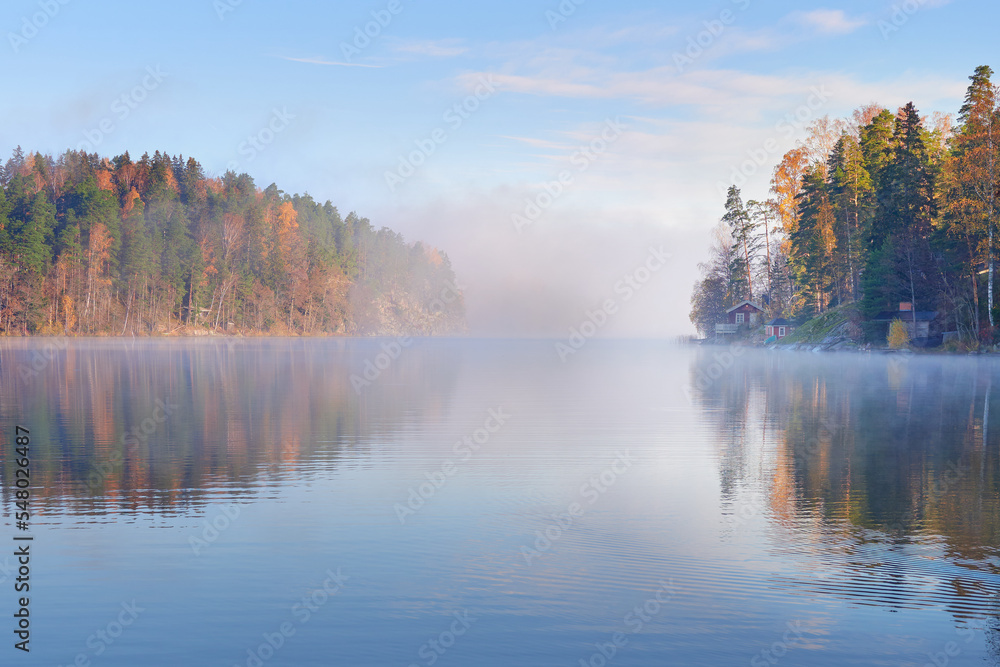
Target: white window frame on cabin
{"type": "Point", "coordinates": [781, 332]}
{"type": "Point", "coordinates": [739, 318]}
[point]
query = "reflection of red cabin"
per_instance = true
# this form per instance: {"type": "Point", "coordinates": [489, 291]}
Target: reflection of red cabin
{"type": "Point", "coordinates": [743, 313]}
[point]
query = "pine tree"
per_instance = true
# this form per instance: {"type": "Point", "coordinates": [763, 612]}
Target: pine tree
{"type": "Point", "coordinates": [977, 150]}
{"type": "Point", "coordinates": [765, 215]}
{"type": "Point", "coordinates": [30, 236]}
{"type": "Point", "coordinates": [746, 239]}
{"type": "Point", "coordinates": [5, 240]}
{"type": "Point", "coordinates": [877, 148]}
{"type": "Point", "coordinates": [852, 195]}
{"type": "Point", "coordinates": [809, 259]}
{"type": "Point", "coordinates": [911, 185]}
{"type": "Point", "coordinates": [137, 243]}
{"type": "Point", "coordinates": [901, 229]}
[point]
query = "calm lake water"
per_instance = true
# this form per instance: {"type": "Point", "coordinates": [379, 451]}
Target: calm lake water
{"type": "Point", "coordinates": [319, 502]}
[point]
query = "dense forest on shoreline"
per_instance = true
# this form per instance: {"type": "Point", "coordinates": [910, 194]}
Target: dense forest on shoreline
{"type": "Point", "coordinates": [97, 246]}
{"type": "Point", "coordinates": [874, 210]}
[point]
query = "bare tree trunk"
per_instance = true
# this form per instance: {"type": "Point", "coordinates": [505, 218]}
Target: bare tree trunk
{"type": "Point", "coordinates": [128, 310]}
{"type": "Point", "coordinates": [767, 245]}
{"type": "Point", "coordinates": [975, 286]}
{"type": "Point", "coordinates": [212, 305]}
{"type": "Point", "coordinates": [226, 285]}
{"type": "Point", "coordinates": [190, 297]}
{"type": "Point", "coordinates": [90, 286]}
{"type": "Point", "coordinates": [746, 253]}
{"type": "Point", "coordinates": [986, 415]}
{"type": "Point", "coordinates": [991, 194]}
{"type": "Point", "coordinates": [989, 288]}
{"type": "Point", "coordinates": [850, 252]}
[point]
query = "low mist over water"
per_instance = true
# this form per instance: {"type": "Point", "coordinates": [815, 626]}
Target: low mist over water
{"type": "Point", "coordinates": [462, 502]}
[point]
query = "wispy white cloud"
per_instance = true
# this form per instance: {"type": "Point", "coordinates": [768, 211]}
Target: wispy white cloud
{"type": "Point", "coordinates": [718, 92]}
{"type": "Point", "coordinates": [442, 48]}
{"type": "Point", "coordinates": [830, 21]}
{"type": "Point", "coordinates": [538, 143]}
{"type": "Point", "coordinates": [321, 61]}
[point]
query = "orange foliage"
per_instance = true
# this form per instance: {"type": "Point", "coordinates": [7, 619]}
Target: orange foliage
{"type": "Point", "coordinates": [170, 181]}
{"type": "Point", "coordinates": [288, 218]}
{"type": "Point", "coordinates": [105, 180]}
{"type": "Point", "coordinates": [130, 200]}
{"type": "Point", "coordinates": [434, 256]}
{"type": "Point", "coordinates": [288, 224]}
{"type": "Point", "coordinates": [100, 247]}
{"type": "Point", "coordinates": [68, 312]}
{"type": "Point", "coordinates": [208, 256]}
{"type": "Point", "coordinates": [786, 184]}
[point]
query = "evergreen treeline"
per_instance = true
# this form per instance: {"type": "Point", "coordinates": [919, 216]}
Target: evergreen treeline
{"type": "Point", "coordinates": [96, 246]}
{"type": "Point", "coordinates": [876, 210]}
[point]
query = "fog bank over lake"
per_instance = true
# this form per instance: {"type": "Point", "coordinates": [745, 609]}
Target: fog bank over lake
{"type": "Point", "coordinates": [709, 509]}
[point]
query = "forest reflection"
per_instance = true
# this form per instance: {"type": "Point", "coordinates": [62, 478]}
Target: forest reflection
{"type": "Point", "coordinates": [881, 471]}
{"type": "Point", "coordinates": [155, 425]}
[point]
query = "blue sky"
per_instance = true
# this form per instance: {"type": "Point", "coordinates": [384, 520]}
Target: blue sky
{"type": "Point", "coordinates": [333, 121]}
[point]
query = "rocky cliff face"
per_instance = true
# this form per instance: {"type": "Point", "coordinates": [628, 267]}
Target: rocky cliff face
{"type": "Point", "coordinates": [403, 314]}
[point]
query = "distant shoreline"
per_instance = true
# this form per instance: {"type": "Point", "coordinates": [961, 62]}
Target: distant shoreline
{"type": "Point", "coordinates": [854, 348]}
